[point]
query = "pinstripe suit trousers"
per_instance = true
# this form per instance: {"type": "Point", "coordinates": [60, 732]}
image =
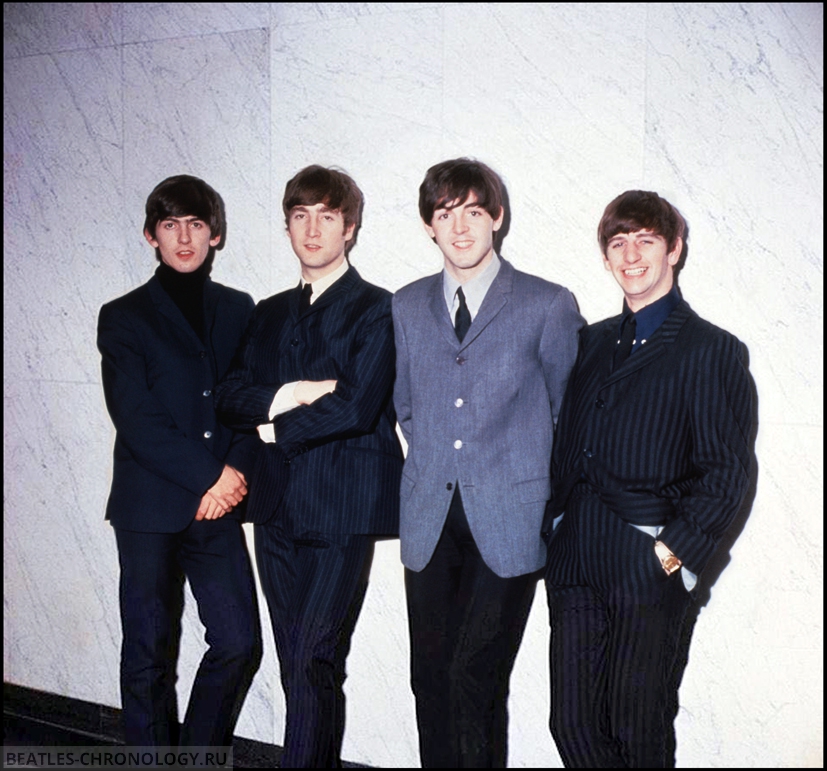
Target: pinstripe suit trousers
{"type": "Point", "coordinates": [616, 627]}
{"type": "Point", "coordinates": [315, 585]}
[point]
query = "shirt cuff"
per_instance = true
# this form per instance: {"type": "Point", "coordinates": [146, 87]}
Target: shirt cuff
{"type": "Point", "coordinates": [283, 401]}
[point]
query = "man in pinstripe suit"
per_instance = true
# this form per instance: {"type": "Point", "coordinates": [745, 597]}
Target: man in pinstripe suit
{"type": "Point", "coordinates": [651, 463]}
{"type": "Point", "coordinates": [315, 375]}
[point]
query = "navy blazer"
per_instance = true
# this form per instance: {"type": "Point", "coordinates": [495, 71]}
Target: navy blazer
{"type": "Point", "coordinates": [344, 456]}
{"type": "Point", "coordinates": [158, 379]}
{"type": "Point", "coordinates": [666, 439]}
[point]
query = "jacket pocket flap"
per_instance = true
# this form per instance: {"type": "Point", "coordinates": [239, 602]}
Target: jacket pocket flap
{"type": "Point", "coordinates": [532, 490]}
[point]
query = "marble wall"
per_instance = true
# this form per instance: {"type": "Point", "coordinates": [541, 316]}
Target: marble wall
{"type": "Point", "coordinates": [716, 106]}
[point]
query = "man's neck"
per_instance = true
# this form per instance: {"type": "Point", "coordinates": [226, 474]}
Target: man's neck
{"type": "Point", "coordinates": [464, 275]}
{"type": "Point", "coordinates": [311, 275]}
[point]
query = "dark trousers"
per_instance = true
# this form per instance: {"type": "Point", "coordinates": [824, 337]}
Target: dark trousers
{"type": "Point", "coordinates": [614, 673]}
{"type": "Point", "coordinates": [466, 624]}
{"type": "Point", "coordinates": [212, 555]}
{"type": "Point", "coordinates": [315, 585]}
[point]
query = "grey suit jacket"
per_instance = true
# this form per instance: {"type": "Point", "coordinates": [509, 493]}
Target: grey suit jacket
{"type": "Point", "coordinates": [481, 413]}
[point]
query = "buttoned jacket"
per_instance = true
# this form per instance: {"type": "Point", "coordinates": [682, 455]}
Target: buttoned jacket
{"type": "Point", "coordinates": [481, 413]}
{"type": "Point", "coordinates": [158, 380]}
{"type": "Point", "coordinates": [344, 456]}
{"type": "Point", "coordinates": [665, 439]}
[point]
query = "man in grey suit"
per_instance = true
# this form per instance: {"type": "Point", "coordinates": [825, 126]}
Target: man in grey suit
{"type": "Point", "coordinates": [483, 355]}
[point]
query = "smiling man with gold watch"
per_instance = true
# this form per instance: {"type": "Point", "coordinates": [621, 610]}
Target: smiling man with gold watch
{"type": "Point", "coordinates": [651, 463]}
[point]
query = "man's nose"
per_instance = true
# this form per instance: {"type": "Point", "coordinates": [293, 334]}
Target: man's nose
{"type": "Point", "coordinates": [184, 235]}
{"type": "Point", "coordinates": [460, 225]}
{"type": "Point", "coordinates": [632, 254]}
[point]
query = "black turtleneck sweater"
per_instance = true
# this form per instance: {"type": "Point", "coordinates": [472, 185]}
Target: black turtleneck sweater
{"type": "Point", "coordinates": [187, 292]}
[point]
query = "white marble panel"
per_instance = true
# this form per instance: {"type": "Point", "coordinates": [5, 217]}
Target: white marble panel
{"type": "Point", "coordinates": [160, 21]}
{"type": "Point", "coordinates": [37, 28]}
{"type": "Point", "coordinates": [363, 94]}
{"type": "Point", "coordinates": [60, 613]}
{"type": "Point", "coordinates": [735, 134]}
{"type": "Point", "coordinates": [734, 138]}
{"type": "Point", "coordinates": [551, 95]}
{"type": "Point", "coordinates": [381, 717]}
{"type": "Point", "coordinates": [298, 13]}
{"type": "Point", "coordinates": [200, 106]}
{"type": "Point", "coordinates": [63, 220]}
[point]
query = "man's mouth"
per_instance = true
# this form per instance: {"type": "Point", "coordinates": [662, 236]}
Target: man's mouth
{"type": "Point", "coordinates": [463, 244]}
{"type": "Point", "coordinates": [633, 272]}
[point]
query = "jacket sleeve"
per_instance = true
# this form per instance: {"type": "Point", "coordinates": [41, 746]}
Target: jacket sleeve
{"type": "Point", "coordinates": [722, 411]}
{"type": "Point", "coordinates": [241, 402]}
{"type": "Point", "coordinates": [402, 386]}
{"type": "Point", "coordinates": [559, 346]}
{"type": "Point", "coordinates": [362, 391]}
{"type": "Point", "coordinates": [145, 426]}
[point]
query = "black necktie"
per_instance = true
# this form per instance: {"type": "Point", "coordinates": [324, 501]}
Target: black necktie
{"type": "Point", "coordinates": [627, 339]}
{"type": "Point", "coordinates": [463, 318]}
{"type": "Point", "coordinates": [304, 297]}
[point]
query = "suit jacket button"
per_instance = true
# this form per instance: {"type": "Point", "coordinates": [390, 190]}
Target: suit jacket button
{"type": "Point", "coordinates": [294, 342]}
{"type": "Point", "coordinates": [600, 404]}
{"type": "Point", "coordinates": [202, 354]}
{"type": "Point", "coordinates": [207, 434]}
{"type": "Point", "coordinates": [207, 392]}
{"type": "Point", "coordinates": [458, 444]}
{"type": "Point", "coordinates": [460, 360]}
{"type": "Point", "coordinates": [588, 453]}
{"type": "Point", "coordinates": [449, 486]}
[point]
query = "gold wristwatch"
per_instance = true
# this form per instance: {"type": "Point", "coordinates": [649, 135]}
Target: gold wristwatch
{"type": "Point", "coordinates": [668, 561]}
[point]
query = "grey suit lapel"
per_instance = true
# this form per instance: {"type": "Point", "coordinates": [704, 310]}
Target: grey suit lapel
{"type": "Point", "coordinates": [440, 311]}
{"type": "Point", "coordinates": [495, 300]}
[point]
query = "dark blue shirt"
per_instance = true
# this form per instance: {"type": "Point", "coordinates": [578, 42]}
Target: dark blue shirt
{"type": "Point", "coordinates": [650, 318]}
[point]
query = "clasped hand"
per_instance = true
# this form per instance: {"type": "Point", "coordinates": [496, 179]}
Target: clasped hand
{"type": "Point", "coordinates": [227, 492]}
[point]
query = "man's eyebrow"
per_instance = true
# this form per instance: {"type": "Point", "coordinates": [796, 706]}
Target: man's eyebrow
{"type": "Point", "coordinates": [304, 208]}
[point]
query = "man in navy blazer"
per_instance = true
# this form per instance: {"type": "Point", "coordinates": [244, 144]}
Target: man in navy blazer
{"type": "Point", "coordinates": [483, 356]}
{"type": "Point", "coordinates": [315, 376]}
{"type": "Point", "coordinates": [651, 464]}
{"type": "Point", "coordinates": [179, 475]}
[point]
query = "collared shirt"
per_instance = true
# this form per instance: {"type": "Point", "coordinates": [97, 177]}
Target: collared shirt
{"type": "Point", "coordinates": [474, 290]}
{"type": "Point", "coordinates": [285, 399]}
{"type": "Point", "coordinates": [648, 320]}
{"type": "Point", "coordinates": [325, 282]}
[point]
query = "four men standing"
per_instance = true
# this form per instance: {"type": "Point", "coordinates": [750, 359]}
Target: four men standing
{"type": "Point", "coordinates": [651, 463]}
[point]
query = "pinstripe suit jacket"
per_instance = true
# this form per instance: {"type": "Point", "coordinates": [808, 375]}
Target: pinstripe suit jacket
{"type": "Point", "coordinates": [663, 440]}
{"type": "Point", "coordinates": [344, 456]}
{"type": "Point", "coordinates": [498, 393]}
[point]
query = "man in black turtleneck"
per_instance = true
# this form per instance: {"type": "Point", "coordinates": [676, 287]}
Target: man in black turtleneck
{"type": "Point", "coordinates": [179, 476]}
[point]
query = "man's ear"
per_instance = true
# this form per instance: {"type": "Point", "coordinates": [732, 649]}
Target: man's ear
{"type": "Point", "coordinates": [674, 256]}
{"type": "Point", "coordinates": [499, 221]}
{"type": "Point", "coordinates": [428, 229]}
{"type": "Point", "coordinates": [150, 238]}
{"type": "Point", "coordinates": [349, 231]}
